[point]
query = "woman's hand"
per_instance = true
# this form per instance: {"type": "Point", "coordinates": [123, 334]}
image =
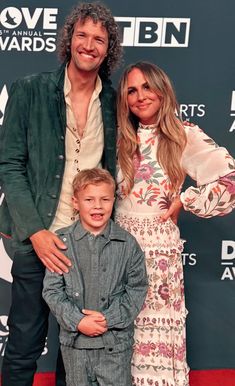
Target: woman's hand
{"type": "Point", "coordinates": [174, 211]}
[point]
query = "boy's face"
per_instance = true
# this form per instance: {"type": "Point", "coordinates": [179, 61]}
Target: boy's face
{"type": "Point", "coordinates": [95, 205]}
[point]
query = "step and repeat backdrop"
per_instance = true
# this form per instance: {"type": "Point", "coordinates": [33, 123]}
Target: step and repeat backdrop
{"type": "Point", "coordinates": [193, 41]}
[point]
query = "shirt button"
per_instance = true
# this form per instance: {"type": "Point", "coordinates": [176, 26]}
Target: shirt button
{"type": "Point", "coordinates": [62, 137]}
{"type": "Point", "coordinates": [103, 299]}
{"type": "Point", "coordinates": [49, 214]}
{"type": "Point", "coordinates": [64, 239]}
{"type": "Point", "coordinates": [53, 195]}
{"type": "Point", "coordinates": [57, 176]}
{"type": "Point", "coordinates": [76, 294]}
{"type": "Point", "coordinates": [61, 156]}
{"type": "Point", "coordinates": [110, 349]}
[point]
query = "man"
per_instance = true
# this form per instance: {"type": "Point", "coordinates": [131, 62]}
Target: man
{"type": "Point", "coordinates": [56, 124]}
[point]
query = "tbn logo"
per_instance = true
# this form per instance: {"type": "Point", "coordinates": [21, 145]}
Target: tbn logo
{"type": "Point", "coordinates": [154, 32]}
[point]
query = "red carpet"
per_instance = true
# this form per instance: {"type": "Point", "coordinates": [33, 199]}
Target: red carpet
{"type": "Point", "coordinates": [197, 378]}
{"type": "Point", "coordinates": [212, 378]}
{"type": "Point", "coordinates": [44, 379]}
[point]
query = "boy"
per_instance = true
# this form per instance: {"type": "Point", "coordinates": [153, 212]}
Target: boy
{"type": "Point", "coordinates": [97, 301]}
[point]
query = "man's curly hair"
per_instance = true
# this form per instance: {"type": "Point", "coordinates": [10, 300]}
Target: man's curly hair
{"type": "Point", "coordinates": [98, 13]}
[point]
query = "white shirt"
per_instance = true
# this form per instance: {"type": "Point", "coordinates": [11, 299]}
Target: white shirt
{"type": "Point", "coordinates": [80, 153]}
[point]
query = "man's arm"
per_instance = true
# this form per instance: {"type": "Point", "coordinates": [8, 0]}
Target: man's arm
{"type": "Point", "coordinates": [14, 160]}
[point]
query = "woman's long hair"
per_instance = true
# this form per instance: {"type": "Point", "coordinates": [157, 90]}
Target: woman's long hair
{"type": "Point", "coordinates": [172, 138]}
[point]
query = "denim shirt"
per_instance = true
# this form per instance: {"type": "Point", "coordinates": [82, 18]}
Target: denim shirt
{"type": "Point", "coordinates": [121, 286]}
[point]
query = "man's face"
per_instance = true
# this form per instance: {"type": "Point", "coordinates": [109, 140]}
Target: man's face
{"type": "Point", "coordinates": [95, 205]}
{"type": "Point", "coordinates": [89, 45]}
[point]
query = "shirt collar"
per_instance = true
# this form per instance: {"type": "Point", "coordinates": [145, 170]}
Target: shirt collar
{"type": "Point", "coordinates": [80, 231]}
{"type": "Point", "coordinates": [111, 232]}
{"type": "Point", "coordinates": [67, 85]}
{"type": "Point", "coordinates": [116, 232]}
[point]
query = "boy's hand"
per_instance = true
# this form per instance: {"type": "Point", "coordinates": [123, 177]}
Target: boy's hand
{"type": "Point", "coordinates": [48, 248]}
{"type": "Point", "coordinates": [93, 324]}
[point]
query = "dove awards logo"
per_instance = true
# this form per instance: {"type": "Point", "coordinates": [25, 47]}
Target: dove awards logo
{"type": "Point", "coordinates": [27, 29]}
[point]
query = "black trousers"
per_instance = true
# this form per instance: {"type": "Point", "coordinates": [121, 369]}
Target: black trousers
{"type": "Point", "coordinates": [28, 323]}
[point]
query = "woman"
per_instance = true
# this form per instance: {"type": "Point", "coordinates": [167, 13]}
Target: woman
{"type": "Point", "coordinates": [155, 153]}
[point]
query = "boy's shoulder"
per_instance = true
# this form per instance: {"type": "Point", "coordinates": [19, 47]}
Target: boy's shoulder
{"type": "Point", "coordinates": [116, 232]}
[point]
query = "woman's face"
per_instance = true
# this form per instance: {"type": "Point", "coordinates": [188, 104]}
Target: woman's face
{"type": "Point", "coordinates": [142, 101]}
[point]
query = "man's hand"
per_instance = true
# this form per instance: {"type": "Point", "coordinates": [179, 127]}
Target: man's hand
{"type": "Point", "coordinates": [173, 211]}
{"type": "Point", "coordinates": [48, 248]}
{"type": "Point", "coordinates": [93, 324]}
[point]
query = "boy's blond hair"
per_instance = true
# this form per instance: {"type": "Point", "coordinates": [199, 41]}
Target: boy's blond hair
{"type": "Point", "coordinates": [93, 176]}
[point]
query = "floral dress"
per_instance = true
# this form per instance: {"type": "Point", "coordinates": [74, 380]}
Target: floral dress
{"type": "Point", "coordinates": [160, 351]}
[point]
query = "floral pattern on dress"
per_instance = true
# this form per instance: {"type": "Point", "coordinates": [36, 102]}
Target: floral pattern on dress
{"type": "Point", "coordinates": [163, 313]}
{"type": "Point", "coordinates": [220, 199]}
{"type": "Point", "coordinates": [159, 357]}
{"type": "Point", "coordinates": [151, 172]}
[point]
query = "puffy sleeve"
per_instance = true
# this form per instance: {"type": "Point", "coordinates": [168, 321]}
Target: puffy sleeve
{"type": "Point", "coordinates": [213, 169]}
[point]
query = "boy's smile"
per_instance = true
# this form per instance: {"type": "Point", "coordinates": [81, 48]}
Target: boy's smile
{"type": "Point", "coordinates": [95, 205]}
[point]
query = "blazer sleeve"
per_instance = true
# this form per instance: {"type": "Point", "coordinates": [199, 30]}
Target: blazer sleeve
{"type": "Point", "coordinates": [64, 308]}
{"type": "Point", "coordinates": [13, 164]}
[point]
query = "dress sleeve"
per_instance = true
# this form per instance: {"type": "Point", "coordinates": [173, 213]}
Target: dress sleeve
{"type": "Point", "coordinates": [213, 169]}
